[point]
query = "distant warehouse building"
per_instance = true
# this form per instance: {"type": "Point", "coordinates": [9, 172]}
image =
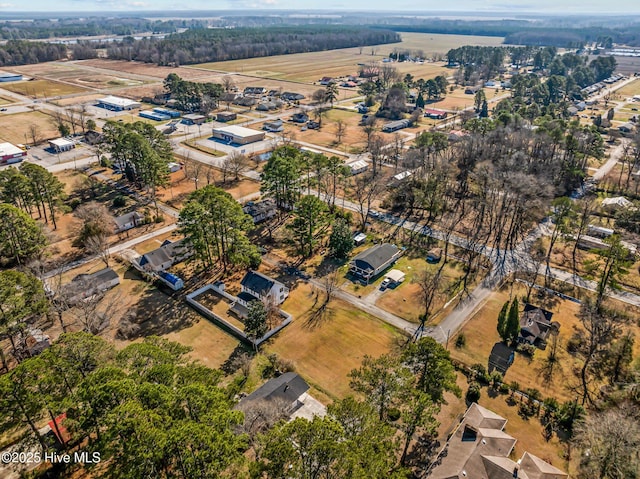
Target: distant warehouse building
{"type": "Point", "coordinates": [11, 154]}
{"type": "Point", "coordinates": [193, 119]}
{"type": "Point", "coordinates": [7, 77]}
{"type": "Point", "coordinates": [238, 135]}
{"type": "Point", "coordinates": [115, 103]}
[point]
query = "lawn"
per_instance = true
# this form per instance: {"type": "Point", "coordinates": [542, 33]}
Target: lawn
{"type": "Point", "coordinates": [629, 90]}
{"type": "Point", "coordinates": [324, 350]}
{"type": "Point", "coordinates": [481, 337]}
{"type": "Point", "coordinates": [405, 300]}
{"type": "Point", "coordinates": [14, 128]}
{"type": "Point", "coordinates": [42, 88]}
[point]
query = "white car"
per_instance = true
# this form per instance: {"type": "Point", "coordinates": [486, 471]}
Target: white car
{"type": "Point", "coordinates": [385, 283]}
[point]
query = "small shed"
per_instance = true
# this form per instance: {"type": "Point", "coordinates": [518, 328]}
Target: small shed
{"type": "Point", "coordinates": [359, 238]}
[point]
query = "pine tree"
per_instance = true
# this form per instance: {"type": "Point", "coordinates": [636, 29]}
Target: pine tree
{"type": "Point", "coordinates": [502, 321]}
{"type": "Point", "coordinates": [512, 328]}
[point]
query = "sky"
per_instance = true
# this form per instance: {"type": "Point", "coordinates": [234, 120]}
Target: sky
{"type": "Point", "coordinates": [469, 6]}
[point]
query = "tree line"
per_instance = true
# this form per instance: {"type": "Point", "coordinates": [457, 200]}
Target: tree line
{"type": "Point", "coordinates": [87, 27]}
{"type": "Point", "coordinates": [198, 45]}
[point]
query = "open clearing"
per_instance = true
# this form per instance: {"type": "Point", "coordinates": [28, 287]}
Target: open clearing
{"type": "Point", "coordinates": [310, 67]}
{"type": "Point", "coordinates": [629, 90]}
{"type": "Point", "coordinates": [325, 350]}
{"type": "Point", "coordinates": [15, 128]}
{"type": "Point", "coordinates": [42, 88]}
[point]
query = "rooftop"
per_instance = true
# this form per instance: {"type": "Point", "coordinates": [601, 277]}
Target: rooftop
{"type": "Point", "coordinates": [288, 387]}
{"type": "Point", "coordinates": [236, 130]}
{"type": "Point", "coordinates": [257, 282]}
{"type": "Point", "coordinates": [376, 256]}
{"type": "Point", "coordinates": [116, 100]}
{"type": "Point", "coordinates": [61, 142]}
{"type": "Point", "coordinates": [7, 149]}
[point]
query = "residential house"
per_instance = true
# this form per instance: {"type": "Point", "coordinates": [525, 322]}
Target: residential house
{"type": "Point", "coordinates": [261, 211]}
{"type": "Point", "coordinates": [86, 285]}
{"type": "Point", "coordinates": [257, 286]}
{"type": "Point", "coordinates": [254, 91]}
{"type": "Point", "coordinates": [435, 114]}
{"type": "Point", "coordinates": [617, 203]}
{"type": "Point", "coordinates": [599, 231]}
{"type": "Point", "coordinates": [326, 80]}
{"type": "Point", "coordinates": [267, 106]}
{"type": "Point", "coordinates": [358, 166]}
{"type": "Point", "coordinates": [162, 258]}
{"type": "Point", "coordinates": [283, 397]}
{"type": "Point", "coordinates": [470, 90]}
{"type": "Point", "coordinates": [300, 117]}
{"type": "Point", "coordinates": [128, 221]}
{"type": "Point", "coordinates": [274, 126]}
{"type": "Point", "coordinates": [572, 111]}
{"type": "Point", "coordinates": [480, 449]}
{"type": "Point", "coordinates": [370, 263]}
{"type": "Point", "coordinates": [287, 388]}
{"type": "Point", "coordinates": [290, 96]}
{"type": "Point", "coordinates": [536, 325]}
{"type": "Point", "coordinates": [225, 116]}
{"type": "Point", "coordinates": [395, 125]}
{"type": "Point", "coordinates": [627, 127]}
{"type": "Point", "coordinates": [313, 125]}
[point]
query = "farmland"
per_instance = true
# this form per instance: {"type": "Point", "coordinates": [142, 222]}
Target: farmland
{"type": "Point", "coordinates": [309, 67]}
{"type": "Point", "coordinates": [43, 88]}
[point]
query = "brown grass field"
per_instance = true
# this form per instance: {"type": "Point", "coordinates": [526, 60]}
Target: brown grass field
{"type": "Point", "coordinates": [310, 67]}
{"type": "Point", "coordinates": [325, 350]}
{"type": "Point", "coordinates": [629, 90]}
{"type": "Point", "coordinates": [43, 88]}
{"type": "Point", "coordinates": [14, 127]}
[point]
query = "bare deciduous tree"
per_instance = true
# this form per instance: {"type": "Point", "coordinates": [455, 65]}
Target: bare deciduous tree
{"type": "Point", "coordinates": [341, 129]}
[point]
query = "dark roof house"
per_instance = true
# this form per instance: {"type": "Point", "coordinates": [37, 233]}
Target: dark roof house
{"type": "Point", "coordinates": [86, 285]}
{"type": "Point", "coordinates": [263, 287]}
{"type": "Point", "coordinates": [300, 118]}
{"type": "Point", "coordinates": [536, 325]}
{"type": "Point", "coordinates": [287, 387]}
{"type": "Point", "coordinates": [165, 256]}
{"type": "Point", "coordinates": [260, 210]}
{"type": "Point", "coordinates": [373, 261]}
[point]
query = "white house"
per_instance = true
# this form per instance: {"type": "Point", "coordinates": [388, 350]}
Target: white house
{"type": "Point", "coordinates": [128, 221]}
{"type": "Point", "coordinates": [256, 285]}
{"type": "Point", "coordinates": [357, 167]}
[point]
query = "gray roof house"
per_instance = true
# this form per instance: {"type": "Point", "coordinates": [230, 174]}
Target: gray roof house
{"type": "Point", "coordinates": [260, 210]}
{"type": "Point", "coordinates": [256, 285]}
{"type": "Point", "coordinates": [479, 448]}
{"type": "Point", "coordinates": [286, 388]}
{"type": "Point", "coordinates": [128, 221]}
{"type": "Point", "coordinates": [165, 256]}
{"type": "Point", "coordinates": [86, 285]}
{"type": "Point", "coordinates": [374, 261]}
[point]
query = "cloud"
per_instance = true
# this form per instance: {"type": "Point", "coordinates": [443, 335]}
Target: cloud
{"type": "Point", "coordinates": [6, 5]}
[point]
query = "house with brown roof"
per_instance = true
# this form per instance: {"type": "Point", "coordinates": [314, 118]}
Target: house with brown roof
{"type": "Point", "coordinates": [480, 449]}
